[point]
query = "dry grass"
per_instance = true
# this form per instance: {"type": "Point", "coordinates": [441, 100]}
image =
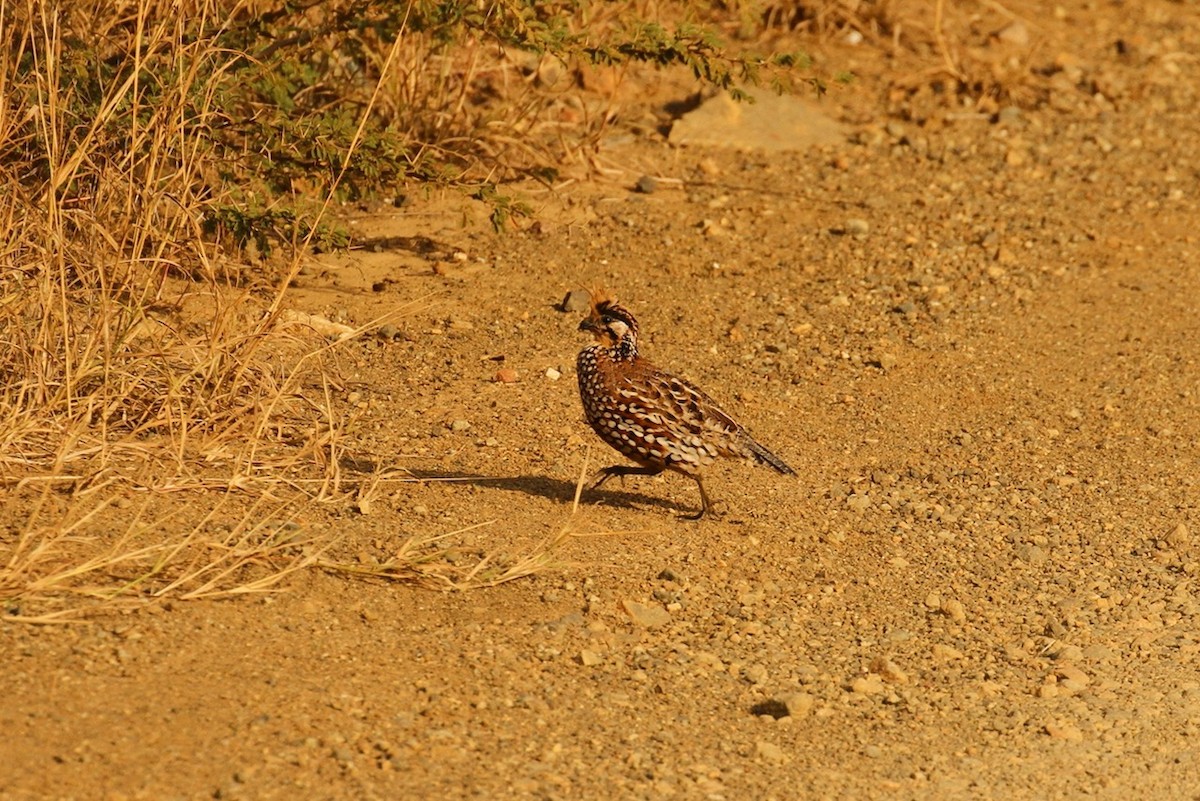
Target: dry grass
{"type": "Point", "coordinates": [951, 57]}
{"type": "Point", "coordinates": [142, 360]}
{"type": "Point", "coordinates": [98, 556]}
{"type": "Point", "coordinates": [131, 362]}
{"type": "Point", "coordinates": [427, 562]}
{"type": "Point", "coordinates": [141, 357]}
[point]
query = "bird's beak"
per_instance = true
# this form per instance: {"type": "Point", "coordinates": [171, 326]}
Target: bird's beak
{"type": "Point", "coordinates": [589, 324]}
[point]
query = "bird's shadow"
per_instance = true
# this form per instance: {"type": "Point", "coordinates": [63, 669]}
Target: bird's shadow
{"type": "Point", "coordinates": [552, 489]}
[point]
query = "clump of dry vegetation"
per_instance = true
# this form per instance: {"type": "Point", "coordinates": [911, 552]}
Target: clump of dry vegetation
{"type": "Point", "coordinates": [150, 153]}
{"type": "Point", "coordinates": [164, 167]}
{"type": "Point", "coordinates": [136, 358]}
{"type": "Point", "coordinates": [949, 57]}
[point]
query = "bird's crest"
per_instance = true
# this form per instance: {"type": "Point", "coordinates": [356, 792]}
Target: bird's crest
{"type": "Point", "coordinates": [600, 297]}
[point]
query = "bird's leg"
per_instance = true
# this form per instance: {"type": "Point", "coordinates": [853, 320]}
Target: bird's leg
{"type": "Point", "coordinates": [621, 470]}
{"type": "Point", "coordinates": [704, 501]}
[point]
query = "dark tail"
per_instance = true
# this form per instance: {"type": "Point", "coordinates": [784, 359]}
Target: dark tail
{"type": "Point", "coordinates": [764, 456]}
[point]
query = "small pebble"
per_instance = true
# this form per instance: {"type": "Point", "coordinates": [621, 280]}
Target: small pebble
{"type": "Point", "coordinates": [1031, 554]}
{"type": "Point", "coordinates": [769, 752]}
{"type": "Point", "coordinates": [1098, 653]}
{"type": "Point", "coordinates": [756, 674]}
{"type": "Point", "coordinates": [954, 610]}
{"type": "Point", "coordinates": [460, 425]}
{"type": "Point", "coordinates": [646, 616]}
{"type": "Point", "coordinates": [888, 670]}
{"type": "Point", "coordinates": [388, 332]}
{"type": "Point", "coordinates": [1071, 678]}
{"type": "Point", "coordinates": [944, 653]}
{"type": "Point", "coordinates": [1064, 731]}
{"type": "Point", "coordinates": [799, 704]}
{"type": "Point", "coordinates": [867, 685]}
{"type": "Point", "coordinates": [576, 300]}
{"type": "Point", "coordinates": [1069, 653]}
{"type": "Point", "coordinates": [857, 227]}
{"type": "Point", "coordinates": [1016, 33]}
{"type": "Point", "coordinates": [859, 503]}
{"type": "Point", "coordinates": [505, 375]}
{"type": "Point", "coordinates": [589, 658]}
{"type": "Point", "coordinates": [553, 374]}
{"type": "Point", "coordinates": [1180, 536]}
{"type": "Point", "coordinates": [647, 185]}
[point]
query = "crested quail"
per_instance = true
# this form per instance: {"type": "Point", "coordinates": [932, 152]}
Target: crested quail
{"type": "Point", "coordinates": [654, 418]}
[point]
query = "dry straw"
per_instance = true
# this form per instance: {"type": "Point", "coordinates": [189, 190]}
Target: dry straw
{"type": "Point", "coordinates": [133, 366]}
{"type": "Point", "coordinates": [141, 362]}
{"type": "Point", "coordinates": [142, 365]}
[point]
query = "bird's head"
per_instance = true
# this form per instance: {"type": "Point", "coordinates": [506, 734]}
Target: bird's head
{"type": "Point", "coordinates": [609, 322]}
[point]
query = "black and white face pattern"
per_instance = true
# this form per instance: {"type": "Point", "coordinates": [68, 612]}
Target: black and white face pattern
{"type": "Point", "coordinates": [617, 328]}
{"type": "Point", "coordinates": [613, 326]}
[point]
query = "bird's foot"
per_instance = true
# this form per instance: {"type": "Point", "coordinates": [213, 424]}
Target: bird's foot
{"type": "Point", "coordinates": [709, 511]}
{"type": "Point", "coordinates": [604, 474]}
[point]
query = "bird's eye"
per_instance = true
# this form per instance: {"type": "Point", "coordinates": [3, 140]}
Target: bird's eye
{"type": "Point", "coordinates": [608, 319]}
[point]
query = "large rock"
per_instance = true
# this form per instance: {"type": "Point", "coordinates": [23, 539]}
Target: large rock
{"type": "Point", "coordinates": [772, 123]}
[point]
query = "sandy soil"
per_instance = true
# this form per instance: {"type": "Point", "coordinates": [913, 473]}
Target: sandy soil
{"type": "Point", "coordinates": [972, 334]}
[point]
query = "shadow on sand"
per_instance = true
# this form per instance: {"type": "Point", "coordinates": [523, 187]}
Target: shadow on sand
{"type": "Point", "coordinates": [553, 489]}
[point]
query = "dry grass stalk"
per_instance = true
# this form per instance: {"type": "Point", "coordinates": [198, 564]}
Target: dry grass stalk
{"type": "Point", "coordinates": [57, 569]}
{"type": "Point", "coordinates": [425, 561]}
{"type": "Point", "coordinates": [129, 359]}
{"type": "Point", "coordinates": [135, 353]}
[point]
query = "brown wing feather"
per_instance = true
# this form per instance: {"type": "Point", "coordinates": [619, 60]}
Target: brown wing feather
{"type": "Point", "coordinates": [675, 409]}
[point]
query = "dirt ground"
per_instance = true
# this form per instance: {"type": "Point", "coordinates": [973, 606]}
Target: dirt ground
{"type": "Point", "coordinates": [973, 334]}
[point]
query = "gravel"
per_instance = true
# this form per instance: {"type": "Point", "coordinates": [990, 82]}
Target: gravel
{"type": "Point", "coordinates": [982, 581]}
